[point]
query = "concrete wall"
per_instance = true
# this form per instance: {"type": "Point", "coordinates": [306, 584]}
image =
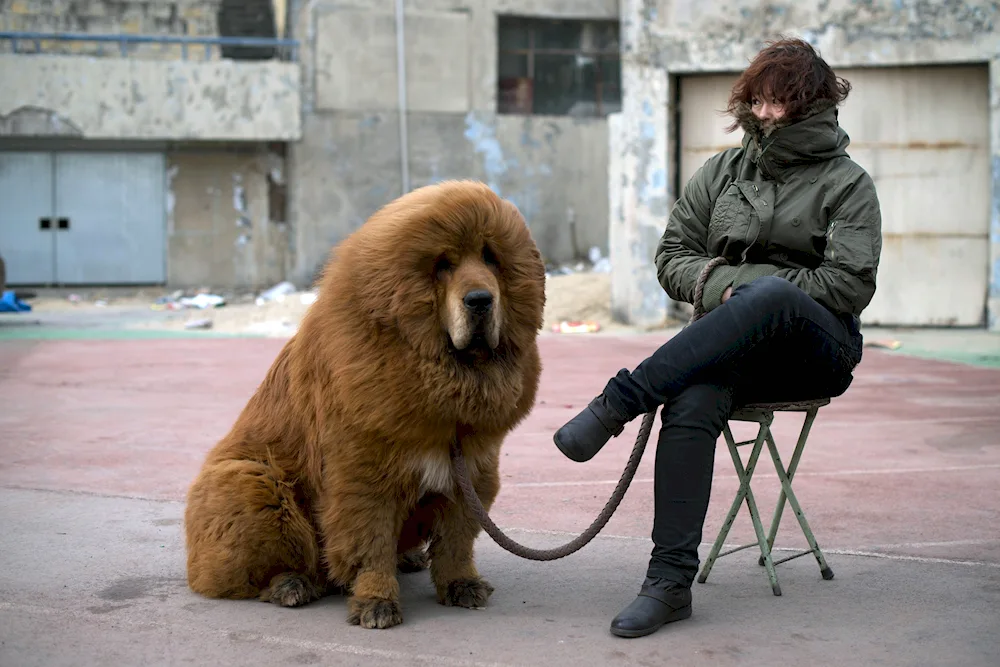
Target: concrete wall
{"type": "Point", "coordinates": [219, 231]}
{"type": "Point", "coordinates": [104, 98]}
{"type": "Point", "coordinates": [348, 161]}
{"type": "Point", "coordinates": [147, 17]}
{"type": "Point", "coordinates": [686, 36]}
{"type": "Point", "coordinates": [110, 17]}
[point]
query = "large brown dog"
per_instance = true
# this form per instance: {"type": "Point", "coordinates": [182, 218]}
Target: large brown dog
{"type": "Point", "coordinates": [337, 471]}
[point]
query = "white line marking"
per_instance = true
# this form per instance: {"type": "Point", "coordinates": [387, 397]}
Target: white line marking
{"type": "Point", "coordinates": [839, 552]}
{"type": "Point", "coordinates": [923, 545]}
{"type": "Point", "coordinates": [900, 557]}
{"type": "Point", "coordinates": [759, 475]}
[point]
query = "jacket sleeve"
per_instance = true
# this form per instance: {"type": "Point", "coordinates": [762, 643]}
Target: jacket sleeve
{"type": "Point", "coordinates": [845, 280]}
{"type": "Point", "coordinates": [682, 251]}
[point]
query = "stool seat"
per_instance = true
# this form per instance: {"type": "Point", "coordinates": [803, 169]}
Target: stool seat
{"type": "Point", "coordinates": [751, 411]}
{"type": "Point", "coordinates": [763, 414]}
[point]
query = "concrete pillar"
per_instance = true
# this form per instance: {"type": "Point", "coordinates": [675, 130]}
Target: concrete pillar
{"type": "Point", "coordinates": [993, 295]}
{"type": "Point", "coordinates": [637, 179]}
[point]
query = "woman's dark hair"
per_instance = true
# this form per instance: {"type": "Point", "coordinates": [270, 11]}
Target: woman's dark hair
{"type": "Point", "coordinates": [789, 72]}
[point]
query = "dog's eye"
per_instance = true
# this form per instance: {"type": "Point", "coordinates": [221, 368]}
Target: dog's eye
{"type": "Point", "coordinates": [441, 266]}
{"type": "Point", "coordinates": [489, 257]}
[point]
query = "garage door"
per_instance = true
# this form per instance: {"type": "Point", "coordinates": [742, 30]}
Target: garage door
{"type": "Point", "coordinates": [923, 135]}
{"type": "Point", "coordinates": [77, 218]}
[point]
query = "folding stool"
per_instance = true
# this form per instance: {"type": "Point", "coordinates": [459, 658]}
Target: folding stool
{"type": "Point", "coordinates": [763, 414]}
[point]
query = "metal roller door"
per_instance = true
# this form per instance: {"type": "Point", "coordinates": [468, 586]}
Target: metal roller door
{"type": "Point", "coordinates": [83, 218]}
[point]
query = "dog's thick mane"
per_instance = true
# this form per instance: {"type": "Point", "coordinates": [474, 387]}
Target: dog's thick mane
{"type": "Point", "coordinates": [377, 301]}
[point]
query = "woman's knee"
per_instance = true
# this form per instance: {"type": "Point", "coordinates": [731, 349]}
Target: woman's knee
{"type": "Point", "coordinates": [702, 406]}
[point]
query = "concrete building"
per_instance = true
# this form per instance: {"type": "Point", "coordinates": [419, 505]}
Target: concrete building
{"type": "Point", "coordinates": [143, 162]}
{"type": "Point", "coordinates": [924, 119]}
{"type": "Point", "coordinates": [588, 114]}
{"type": "Point", "coordinates": [512, 93]}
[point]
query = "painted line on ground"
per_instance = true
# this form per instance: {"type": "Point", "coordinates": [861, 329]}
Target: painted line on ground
{"type": "Point", "coordinates": [762, 475]}
{"type": "Point", "coordinates": [864, 553]}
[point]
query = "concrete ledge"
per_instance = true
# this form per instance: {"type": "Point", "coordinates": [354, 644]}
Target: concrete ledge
{"type": "Point", "coordinates": [111, 98]}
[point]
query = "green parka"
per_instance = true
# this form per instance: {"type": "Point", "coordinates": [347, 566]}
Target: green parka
{"type": "Point", "coordinates": [789, 203]}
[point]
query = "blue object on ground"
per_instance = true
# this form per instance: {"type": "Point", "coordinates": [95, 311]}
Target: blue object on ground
{"type": "Point", "coordinates": [9, 303]}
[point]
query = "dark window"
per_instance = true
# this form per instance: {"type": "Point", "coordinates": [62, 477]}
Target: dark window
{"type": "Point", "coordinates": [247, 18]}
{"type": "Point", "coordinates": [558, 67]}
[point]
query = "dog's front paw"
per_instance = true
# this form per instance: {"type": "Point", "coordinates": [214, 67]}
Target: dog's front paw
{"type": "Point", "coordinates": [373, 612]}
{"type": "Point", "coordinates": [471, 593]}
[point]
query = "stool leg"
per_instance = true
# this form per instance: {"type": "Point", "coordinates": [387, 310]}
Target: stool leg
{"type": "Point", "coordinates": [786, 486]}
{"type": "Point", "coordinates": [733, 509]}
{"type": "Point", "coordinates": [793, 464]}
{"type": "Point", "coordinates": [745, 492]}
{"type": "Point", "coordinates": [758, 527]}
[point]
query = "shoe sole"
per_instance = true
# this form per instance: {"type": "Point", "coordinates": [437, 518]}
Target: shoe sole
{"type": "Point", "coordinates": [566, 452]}
{"type": "Point", "coordinates": [678, 615]}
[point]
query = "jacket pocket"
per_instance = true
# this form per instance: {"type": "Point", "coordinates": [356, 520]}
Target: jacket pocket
{"type": "Point", "coordinates": [731, 222]}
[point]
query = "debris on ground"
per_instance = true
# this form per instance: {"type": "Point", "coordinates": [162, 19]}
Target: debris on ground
{"type": "Point", "coordinates": [575, 327]}
{"type": "Point", "coordinates": [10, 303]}
{"type": "Point", "coordinates": [576, 302]}
{"type": "Point", "coordinates": [276, 293]}
{"type": "Point", "coordinates": [203, 301]}
{"type": "Point", "coordinates": [884, 344]}
{"type": "Point", "coordinates": [198, 324]}
{"type": "Point", "coordinates": [177, 301]}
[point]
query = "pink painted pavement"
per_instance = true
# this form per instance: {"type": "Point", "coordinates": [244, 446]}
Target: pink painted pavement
{"type": "Point", "coordinates": [907, 462]}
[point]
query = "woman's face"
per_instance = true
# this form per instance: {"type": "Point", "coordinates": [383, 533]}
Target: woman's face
{"type": "Point", "coordinates": [767, 110]}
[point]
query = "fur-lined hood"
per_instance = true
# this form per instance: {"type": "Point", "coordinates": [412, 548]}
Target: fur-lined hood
{"type": "Point", "coordinates": [814, 137]}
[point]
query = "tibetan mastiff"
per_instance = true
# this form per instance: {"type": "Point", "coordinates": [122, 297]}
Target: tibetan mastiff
{"type": "Point", "coordinates": [336, 475]}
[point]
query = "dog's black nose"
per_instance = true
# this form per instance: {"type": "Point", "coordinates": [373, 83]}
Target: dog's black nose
{"type": "Point", "coordinates": [478, 301]}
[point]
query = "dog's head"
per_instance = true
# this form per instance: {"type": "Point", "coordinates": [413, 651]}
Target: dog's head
{"type": "Point", "coordinates": [453, 268]}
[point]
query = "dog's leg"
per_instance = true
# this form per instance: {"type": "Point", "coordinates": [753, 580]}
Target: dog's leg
{"type": "Point", "coordinates": [413, 538]}
{"type": "Point", "coordinates": [414, 560]}
{"type": "Point", "coordinates": [247, 537]}
{"type": "Point", "coordinates": [453, 568]}
{"type": "Point", "coordinates": [362, 531]}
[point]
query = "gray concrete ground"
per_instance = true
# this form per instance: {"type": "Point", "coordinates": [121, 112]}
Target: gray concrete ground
{"type": "Point", "coordinates": [100, 581]}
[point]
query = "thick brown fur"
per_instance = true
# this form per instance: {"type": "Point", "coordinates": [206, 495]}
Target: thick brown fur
{"type": "Point", "coordinates": [336, 475]}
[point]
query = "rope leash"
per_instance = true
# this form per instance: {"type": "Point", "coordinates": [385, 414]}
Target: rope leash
{"type": "Point", "coordinates": [476, 506]}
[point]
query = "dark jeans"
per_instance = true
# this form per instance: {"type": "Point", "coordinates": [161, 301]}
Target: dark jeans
{"type": "Point", "coordinates": [769, 342]}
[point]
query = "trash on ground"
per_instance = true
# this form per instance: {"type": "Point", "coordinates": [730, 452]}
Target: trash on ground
{"type": "Point", "coordinates": [576, 327]}
{"type": "Point", "coordinates": [9, 303]}
{"type": "Point", "coordinates": [198, 324]}
{"type": "Point", "coordinates": [203, 301]}
{"type": "Point", "coordinates": [276, 293]}
{"type": "Point", "coordinates": [885, 344]}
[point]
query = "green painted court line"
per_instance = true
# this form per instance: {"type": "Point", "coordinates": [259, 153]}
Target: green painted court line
{"type": "Point", "coordinates": [979, 359]}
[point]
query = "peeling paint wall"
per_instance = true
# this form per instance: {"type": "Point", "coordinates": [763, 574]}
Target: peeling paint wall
{"type": "Point", "coordinates": [219, 231]}
{"type": "Point", "coordinates": [103, 98]}
{"type": "Point", "coordinates": [693, 36]}
{"type": "Point", "coordinates": [348, 161]}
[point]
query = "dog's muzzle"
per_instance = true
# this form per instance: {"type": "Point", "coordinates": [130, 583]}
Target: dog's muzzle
{"type": "Point", "coordinates": [478, 302]}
